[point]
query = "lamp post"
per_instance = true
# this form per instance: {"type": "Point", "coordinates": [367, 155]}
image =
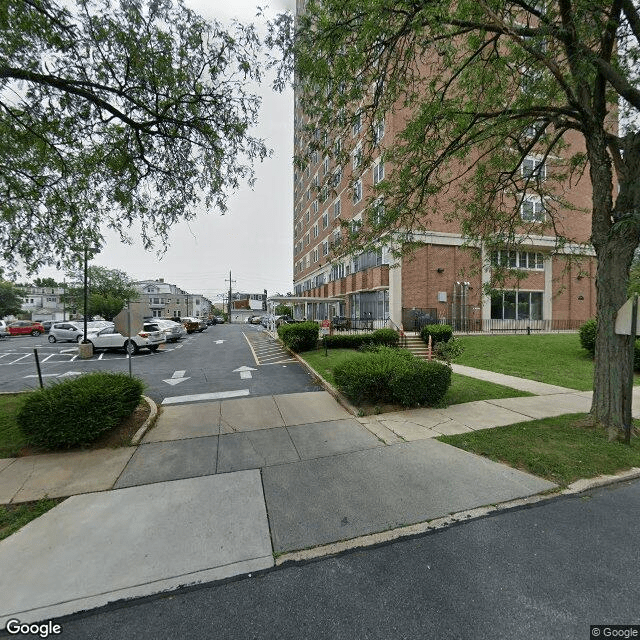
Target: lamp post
{"type": "Point", "coordinates": [86, 352]}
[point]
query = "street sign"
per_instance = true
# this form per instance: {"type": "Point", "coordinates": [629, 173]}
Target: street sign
{"type": "Point", "coordinates": [121, 321]}
{"type": "Point", "coordinates": [623, 319]}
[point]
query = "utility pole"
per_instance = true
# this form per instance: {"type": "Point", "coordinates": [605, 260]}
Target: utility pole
{"type": "Point", "coordinates": [229, 302]}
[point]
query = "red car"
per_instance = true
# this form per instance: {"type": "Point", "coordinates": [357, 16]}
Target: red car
{"type": "Point", "coordinates": [25, 327]}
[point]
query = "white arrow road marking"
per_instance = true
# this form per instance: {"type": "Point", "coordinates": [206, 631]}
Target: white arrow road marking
{"type": "Point", "coordinates": [69, 373]}
{"type": "Point", "coordinates": [245, 372]}
{"type": "Point", "coordinates": [177, 378]}
{"type": "Point", "coordinates": [218, 341]}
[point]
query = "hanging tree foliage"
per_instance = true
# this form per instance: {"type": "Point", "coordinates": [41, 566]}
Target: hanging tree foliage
{"type": "Point", "coordinates": [480, 86]}
{"type": "Point", "coordinates": [114, 113]}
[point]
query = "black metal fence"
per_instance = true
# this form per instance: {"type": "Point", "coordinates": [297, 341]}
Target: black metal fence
{"type": "Point", "coordinates": [414, 319]}
{"type": "Point", "coordinates": [514, 326]}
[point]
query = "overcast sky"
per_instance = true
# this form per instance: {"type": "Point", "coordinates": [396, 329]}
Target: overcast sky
{"type": "Point", "coordinates": [253, 239]}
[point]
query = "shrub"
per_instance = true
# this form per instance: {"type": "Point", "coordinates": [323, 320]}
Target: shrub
{"type": "Point", "coordinates": [419, 382]}
{"type": "Point", "coordinates": [392, 375]}
{"type": "Point", "coordinates": [302, 336]}
{"type": "Point", "coordinates": [449, 350]}
{"type": "Point", "coordinates": [386, 337]}
{"type": "Point", "coordinates": [77, 412]}
{"type": "Point", "coordinates": [587, 334]}
{"type": "Point", "coordinates": [438, 333]}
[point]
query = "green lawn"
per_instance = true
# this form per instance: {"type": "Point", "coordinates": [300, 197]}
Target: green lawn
{"type": "Point", "coordinates": [11, 439]}
{"type": "Point", "coordinates": [559, 449]}
{"type": "Point", "coordinates": [463, 388]}
{"type": "Point", "coordinates": [552, 358]}
{"type": "Point", "coordinates": [15, 516]}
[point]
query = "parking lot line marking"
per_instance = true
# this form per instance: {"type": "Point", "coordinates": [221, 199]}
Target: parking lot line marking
{"type": "Point", "coordinates": [255, 357]}
{"type": "Point", "coordinates": [221, 395]}
{"type": "Point", "coordinates": [18, 360]}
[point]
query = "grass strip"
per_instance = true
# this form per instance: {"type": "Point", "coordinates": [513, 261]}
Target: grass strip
{"type": "Point", "coordinates": [11, 438]}
{"type": "Point", "coordinates": [15, 516]}
{"type": "Point", "coordinates": [560, 449]}
{"type": "Point", "coordinates": [463, 388]}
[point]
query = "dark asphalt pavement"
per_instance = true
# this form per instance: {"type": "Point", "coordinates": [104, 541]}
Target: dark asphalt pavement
{"type": "Point", "coordinates": [545, 572]}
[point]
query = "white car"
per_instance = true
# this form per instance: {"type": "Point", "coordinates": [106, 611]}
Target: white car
{"type": "Point", "coordinates": [151, 337]}
{"type": "Point", "coordinates": [173, 331]}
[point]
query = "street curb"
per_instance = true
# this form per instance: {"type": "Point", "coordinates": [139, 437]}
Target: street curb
{"type": "Point", "coordinates": [135, 441]}
{"type": "Point", "coordinates": [430, 526]}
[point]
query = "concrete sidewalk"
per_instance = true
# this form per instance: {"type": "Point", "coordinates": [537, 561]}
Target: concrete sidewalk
{"type": "Point", "coordinates": [215, 489]}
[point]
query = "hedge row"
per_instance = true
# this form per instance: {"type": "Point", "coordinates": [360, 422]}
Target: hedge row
{"type": "Point", "coordinates": [77, 412]}
{"type": "Point", "coordinates": [438, 333]}
{"type": "Point", "coordinates": [302, 336]}
{"type": "Point", "coordinates": [392, 376]}
{"type": "Point", "coordinates": [384, 337]}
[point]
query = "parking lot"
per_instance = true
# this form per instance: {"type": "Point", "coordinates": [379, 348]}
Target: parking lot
{"type": "Point", "coordinates": [225, 359]}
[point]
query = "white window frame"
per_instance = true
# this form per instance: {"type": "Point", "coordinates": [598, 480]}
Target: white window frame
{"type": "Point", "coordinates": [356, 157]}
{"type": "Point", "coordinates": [378, 171]}
{"type": "Point", "coordinates": [533, 168]}
{"type": "Point", "coordinates": [357, 191]}
{"type": "Point", "coordinates": [537, 211]}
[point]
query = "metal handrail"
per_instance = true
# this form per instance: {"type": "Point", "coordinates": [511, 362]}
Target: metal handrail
{"type": "Point", "coordinates": [402, 336]}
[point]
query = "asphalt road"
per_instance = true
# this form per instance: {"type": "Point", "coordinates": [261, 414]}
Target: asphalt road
{"type": "Point", "coordinates": [229, 358]}
{"type": "Point", "coordinates": [545, 572]}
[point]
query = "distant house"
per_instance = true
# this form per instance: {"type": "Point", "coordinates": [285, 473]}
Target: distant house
{"type": "Point", "coordinates": [45, 303]}
{"type": "Point", "coordinates": [167, 300]}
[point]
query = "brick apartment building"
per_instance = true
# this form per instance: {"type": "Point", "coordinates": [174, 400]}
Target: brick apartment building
{"type": "Point", "coordinates": [442, 280]}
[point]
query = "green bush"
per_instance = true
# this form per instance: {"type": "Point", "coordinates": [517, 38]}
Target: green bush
{"type": "Point", "coordinates": [587, 334]}
{"type": "Point", "coordinates": [449, 350]}
{"type": "Point", "coordinates": [392, 376]}
{"type": "Point", "coordinates": [420, 382]}
{"type": "Point", "coordinates": [77, 412]}
{"type": "Point", "coordinates": [386, 337]}
{"type": "Point", "coordinates": [438, 333]}
{"type": "Point", "coordinates": [302, 336]}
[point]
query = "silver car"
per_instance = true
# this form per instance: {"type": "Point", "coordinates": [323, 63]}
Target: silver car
{"type": "Point", "coordinates": [173, 331]}
{"type": "Point", "coordinates": [65, 332]}
{"type": "Point", "coordinates": [151, 337]}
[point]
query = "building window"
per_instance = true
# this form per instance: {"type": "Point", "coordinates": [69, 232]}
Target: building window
{"type": "Point", "coordinates": [315, 255]}
{"type": "Point", "coordinates": [314, 206]}
{"type": "Point", "coordinates": [356, 157]}
{"type": "Point", "coordinates": [357, 191]}
{"type": "Point", "coordinates": [533, 169]}
{"type": "Point", "coordinates": [325, 166]}
{"type": "Point", "coordinates": [356, 127]}
{"type": "Point", "coordinates": [516, 305]}
{"type": "Point", "coordinates": [337, 177]}
{"type": "Point", "coordinates": [519, 259]}
{"type": "Point", "coordinates": [315, 230]}
{"type": "Point", "coordinates": [532, 209]}
{"type": "Point", "coordinates": [378, 172]}
{"type": "Point", "coordinates": [378, 132]}
{"type": "Point", "coordinates": [337, 209]}
{"type": "Point", "coordinates": [325, 248]}
{"type": "Point", "coordinates": [325, 219]}
{"type": "Point", "coordinates": [377, 212]}
{"type": "Point", "coordinates": [337, 147]}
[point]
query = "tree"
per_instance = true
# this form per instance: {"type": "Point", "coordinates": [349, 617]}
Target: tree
{"type": "Point", "coordinates": [117, 112]}
{"type": "Point", "coordinates": [45, 282]}
{"type": "Point", "coordinates": [109, 290]}
{"type": "Point", "coordinates": [10, 299]}
{"type": "Point", "coordinates": [283, 310]}
{"type": "Point", "coordinates": [484, 83]}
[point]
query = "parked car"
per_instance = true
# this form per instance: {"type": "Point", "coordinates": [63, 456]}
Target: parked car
{"type": "Point", "coordinates": [66, 332]}
{"type": "Point", "coordinates": [202, 324]}
{"type": "Point", "coordinates": [24, 328]}
{"type": "Point", "coordinates": [190, 324]}
{"type": "Point", "coordinates": [219, 319]}
{"type": "Point", "coordinates": [4, 332]}
{"type": "Point", "coordinates": [46, 324]}
{"type": "Point", "coordinates": [151, 337]}
{"type": "Point", "coordinates": [256, 319]}
{"type": "Point", "coordinates": [173, 331]}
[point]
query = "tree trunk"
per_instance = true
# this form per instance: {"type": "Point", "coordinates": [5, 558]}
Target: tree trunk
{"type": "Point", "coordinates": [615, 235]}
{"type": "Point", "coordinates": [613, 361]}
